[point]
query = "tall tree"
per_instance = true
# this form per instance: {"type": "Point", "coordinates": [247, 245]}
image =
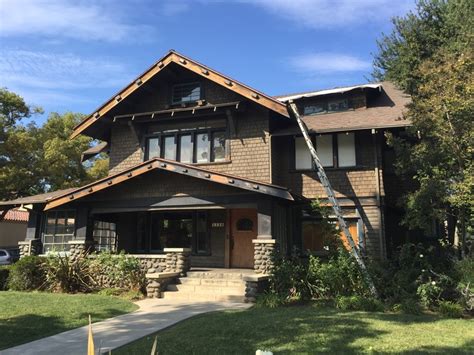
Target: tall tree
{"type": "Point", "coordinates": [429, 54]}
{"type": "Point", "coordinates": [39, 159]}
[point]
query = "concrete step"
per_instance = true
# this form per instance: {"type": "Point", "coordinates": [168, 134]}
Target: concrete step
{"type": "Point", "coordinates": [194, 296]}
{"type": "Point", "coordinates": [215, 275]}
{"type": "Point", "coordinates": [208, 289]}
{"type": "Point", "coordinates": [210, 282]}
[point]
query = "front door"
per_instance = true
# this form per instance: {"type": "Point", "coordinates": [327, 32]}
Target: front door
{"type": "Point", "coordinates": [243, 229]}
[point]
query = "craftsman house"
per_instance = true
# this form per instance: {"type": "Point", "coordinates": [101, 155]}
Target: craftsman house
{"type": "Point", "coordinates": [200, 162]}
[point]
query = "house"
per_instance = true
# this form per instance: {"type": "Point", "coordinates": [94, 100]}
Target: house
{"type": "Point", "coordinates": [12, 228]}
{"type": "Point", "coordinates": [208, 168]}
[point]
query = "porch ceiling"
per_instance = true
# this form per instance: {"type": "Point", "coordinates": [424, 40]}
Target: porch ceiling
{"type": "Point", "coordinates": [177, 168]}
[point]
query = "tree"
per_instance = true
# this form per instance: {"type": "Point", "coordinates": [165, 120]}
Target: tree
{"type": "Point", "coordinates": [429, 54]}
{"type": "Point", "coordinates": [39, 159]}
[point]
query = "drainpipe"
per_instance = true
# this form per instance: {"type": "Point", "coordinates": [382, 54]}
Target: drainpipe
{"type": "Point", "coordinates": [377, 192]}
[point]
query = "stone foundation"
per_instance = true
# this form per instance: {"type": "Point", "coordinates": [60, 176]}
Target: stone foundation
{"type": "Point", "coordinates": [158, 282]}
{"type": "Point", "coordinates": [151, 263]}
{"type": "Point", "coordinates": [80, 248]}
{"type": "Point", "coordinates": [30, 247]}
{"type": "Point", "coordinates": [177, 260]}
{"type": "Point", "coordinates": [263, 255]}
{"type": "Point", "coordinates": [255, 285]}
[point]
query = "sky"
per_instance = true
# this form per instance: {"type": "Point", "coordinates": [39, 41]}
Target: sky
{"type": "Point", "coordinates": [73, 55]}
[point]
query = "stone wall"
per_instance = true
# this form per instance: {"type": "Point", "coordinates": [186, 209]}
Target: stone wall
{"type": "Point", "coordinates": [263, 255]}
{"type": "Point", "coordinates": [30, 247]}
{"type": "Point", "coordinates": [80, 248]}
{"type": "Point", "coordinates": [151, 263]}
{"type": "Point", "coordinates": [177, 260]}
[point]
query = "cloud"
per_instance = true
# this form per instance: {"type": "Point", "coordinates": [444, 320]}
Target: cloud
{"type": "Point", "coordinates": [54, 77]}
{"type": "Point", "coordinates": [319, 14]}
{"type": "Point", "coordinates": [84, 20]}
{"type": "Point", "coordinates": [326, 63]}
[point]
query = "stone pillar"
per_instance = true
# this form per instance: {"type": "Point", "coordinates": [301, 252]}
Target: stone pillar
{"type": "Point", "coordinates": [79, 248]}
{"type": "Point", "coordinates": [255, 285]}
{"type": "Point", "coordinates": [263, 255]}
{"type": "Point", "coordinates": [177, 260]}
{"type": "Point", "coordinates": [30, 247]}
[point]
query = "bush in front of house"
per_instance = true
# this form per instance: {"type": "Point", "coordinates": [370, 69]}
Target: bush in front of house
{"type": "Point", "coordinates": [64, 274]}
{"type": "Point", "coordinates": [358, 303]}
{"type": "Point", "coordinates": [119, 271]}
{"type": "Point", "coordinates": [4, 272]}
{"type": "Point", "coordinates": [27, 274]}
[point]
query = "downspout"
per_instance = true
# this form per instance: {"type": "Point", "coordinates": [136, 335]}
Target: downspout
{"type": "Point", "coordinates": [377, 192]}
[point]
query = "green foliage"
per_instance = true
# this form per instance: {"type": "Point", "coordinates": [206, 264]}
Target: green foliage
{"type": "Point", "coordinates": [130, 295]}
{"type": "Point", "coordinates": [450, 309]}
{"type": "Point", "coordinates": [27, 274]}
{"type": "Point", "coordinates": [4, 272]}
{"type": "Point", "coordinates": [359, 303]}
{"type": "Point", "coordinates": [36, 159]}
{"type": "Point", "coordinates": [117, 270]}
{"type": "Point", "coordinates": [429, 54]}
{"type": "Point", "coordinates": [408, 306]}
{"type": "Point", "coordinates": [270, 299]}
{"type": "Point", "coordinates": [63, 274]}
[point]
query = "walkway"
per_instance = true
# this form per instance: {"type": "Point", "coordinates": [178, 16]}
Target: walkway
{"type": "Point", "coordinates": [153, 315]}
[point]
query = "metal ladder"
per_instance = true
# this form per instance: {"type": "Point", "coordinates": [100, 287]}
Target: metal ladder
{"type": "Point", "coordinates": [292, 109]}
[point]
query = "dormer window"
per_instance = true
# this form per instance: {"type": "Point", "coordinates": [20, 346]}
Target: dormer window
{"type": "Point", "coordinates": [335, 105]}
{"type": "Point", "coordinates": [338, 105]}
{"type": "Point", "coordinates": [186, 93]}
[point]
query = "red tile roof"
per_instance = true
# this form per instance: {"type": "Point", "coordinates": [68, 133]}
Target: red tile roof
{"type": "Point", "coordinates": [16, 216]}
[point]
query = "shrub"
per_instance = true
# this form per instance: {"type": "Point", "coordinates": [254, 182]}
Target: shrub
{"type": "Point", "coordinates": [359, 303]}
{"type": "Point", "coordinates": [63, 274]}
{"type": "Point", "coordinates": [450, 309]}
{"type": "Point", "coordinates": [27, 274]}
{"type": "Point", "coordinates": [408, 306]}
{"type": "Point", "coordinates": [270, 300]}
{"type": "Point", "coordinates": [4, 272]}
{"type": "Point", "coordinates": [117, 271]}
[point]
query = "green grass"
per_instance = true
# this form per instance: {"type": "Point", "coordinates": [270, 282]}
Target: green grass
{"type": "Point", "coordinates": [310, 329]}
{"type": "Point", "coordinates": [27, 316]}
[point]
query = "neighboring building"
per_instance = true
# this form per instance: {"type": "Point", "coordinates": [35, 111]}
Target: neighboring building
{"type": "Point", "coordinates": [199, 160]}
{"type": "Point", "coordinates": [12, 228]}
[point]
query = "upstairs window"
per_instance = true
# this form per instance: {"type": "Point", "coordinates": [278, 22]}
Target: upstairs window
{"type": "Point", "coordinates": [200, 146]}
{"type": "Point", "coordinates": [335, 105]}
{"type": "Point", "coordinates": [338, 105]}
{"type": "Point", "coordinates": [334, 150]}
{"type": "Point", "coordinates": [186, 93]}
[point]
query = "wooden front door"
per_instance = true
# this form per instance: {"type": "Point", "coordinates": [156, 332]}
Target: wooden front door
{"type": "Point", "coordinates": [243, 228]}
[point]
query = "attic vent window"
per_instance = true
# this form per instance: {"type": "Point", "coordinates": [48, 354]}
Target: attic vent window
{"type": "Point", "coordinates": [186, 93]}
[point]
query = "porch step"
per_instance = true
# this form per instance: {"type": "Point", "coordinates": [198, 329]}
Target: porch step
{"type": "Point", "coordinates": [213, 285]}
{"type": "Point", "coordinates": [193, 296]}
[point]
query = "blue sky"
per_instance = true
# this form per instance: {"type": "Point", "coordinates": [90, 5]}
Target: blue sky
{"type": "Point", "coordinates": [67, 55]}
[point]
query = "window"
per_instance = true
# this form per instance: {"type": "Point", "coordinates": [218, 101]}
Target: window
{"type": "Point", "coordinates": [324, 150]}
{"type": "Point", "coordinates": [314, 109]}
{"type": "Point", "coordinates": [58, 230]}
{"type": "Point", "coordinates": [346, 150]}
{"type": "Point", "coordinates": [185, 93]}
{"type": "Point", "coordinates": [244, 224]}
{"type": "Point", "coordinates": [105, 236]}
{"type": "Point", "coordinates": [201, 146]}
{"type": "Point", "coordinates": [303, 160]}
{"type": "Point", "coordinates": [186, 148]}
{"type": "Point", "coordinates": [169, 147]}
{"type": "Point", "coordinates": [201, 244]}
{"type": "Point", "coordinates": [317, 236]}
{"type": "Point", "coordinates": [338, 105]}
{"type": "Point", "coordinates": [331, 148]}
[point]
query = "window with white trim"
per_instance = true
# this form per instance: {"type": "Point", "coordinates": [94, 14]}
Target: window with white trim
{"type": "Point", "coordinates": [105, 236]}
{"type": "Point", "coordinates": [334, 151]}
{"type": "Point", "coordinates": [58, 230]}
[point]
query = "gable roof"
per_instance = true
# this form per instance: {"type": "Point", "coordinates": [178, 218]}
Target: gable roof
{"type": "Point", "coordinates": [386, 110]}
{"type": "Point", "coordinates": [58, 198]}
{"type": "Point", "coordinates": [194, 66]}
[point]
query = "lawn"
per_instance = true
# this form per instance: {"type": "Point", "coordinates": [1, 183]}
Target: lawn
{"type": "Point", "coordinates": [310, 329]}
{"type": "Point", "coordinates": [27, 316]}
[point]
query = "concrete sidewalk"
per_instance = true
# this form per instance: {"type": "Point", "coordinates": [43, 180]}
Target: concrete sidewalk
{"type": "Point", "coordinates": [153, 315]}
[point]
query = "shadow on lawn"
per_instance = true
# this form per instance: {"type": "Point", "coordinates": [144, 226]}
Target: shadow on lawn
{"type": "Point", "coordinates": [295, 329]}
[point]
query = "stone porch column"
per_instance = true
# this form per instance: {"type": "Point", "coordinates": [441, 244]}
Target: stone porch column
{"type": "Point", "coordinates": [264, 245]}
{"type": "Point", "coordinates": [83, 243]}
{"type": "Point", "coordinates": [177, 260]}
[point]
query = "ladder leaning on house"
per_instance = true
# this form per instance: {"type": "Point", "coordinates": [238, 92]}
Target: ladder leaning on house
{"type": "Point", "coordinates": [292, 109]}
